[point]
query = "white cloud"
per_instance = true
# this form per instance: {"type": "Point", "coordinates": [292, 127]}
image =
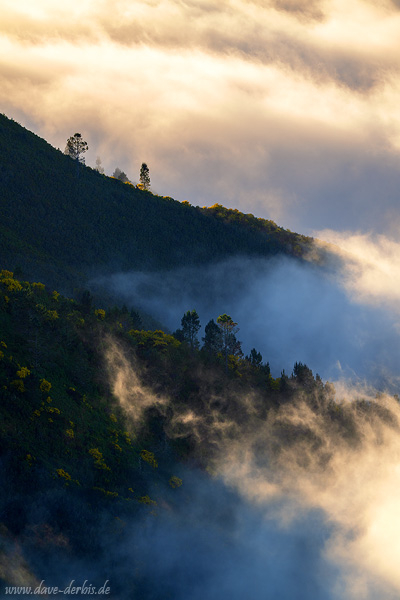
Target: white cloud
{"type": "Point", "coordinates": [271, 107]}
{"type": "Point", "coordinates": [371, 267]}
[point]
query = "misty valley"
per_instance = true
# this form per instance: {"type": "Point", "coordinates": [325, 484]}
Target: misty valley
{"type": "Point", "coordinates": [216, 421]}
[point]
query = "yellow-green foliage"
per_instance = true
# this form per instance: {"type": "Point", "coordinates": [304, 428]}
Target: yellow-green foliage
{"type": "Point", "coordinates": [63, 474]}
{"type": "Point", "coordinates": [106, 492]}
{"type": "Point", "coordinates": [175, 482]}
{"type": "Point", "coordinates": [234, 364]}
{"type": "Point", "coordinates": [275, 384]}
{"type": "Point", "coordinates": [147, 500]}
{"type": "Point", "coordinates": [51, 315]}
{"type": "Point", "coordinates": [40, 287]}
{"type": "Point", "coordinates": [86, 403]}
{"type": "Point", "coordinates": [30, 459]}
{"type": "Point", "coordinates": [149, 458]}
{"type": "Point", "coordinates": [53, 410]}
{"type": "Point", "coordinates": [76, 318]}
{"type": "Point", "coordinates": [98, 459]}
{"type": "Point", "coordinates": [23, 372]}
{"type": "Point", "coordinates": [45, 386]}
{"type": "Point", "coordinates": [70, 433]}
{"type": "Point", "coordinates": [1, 354]}
{"type": "Point", "coordinates": [100, 313]}
{"type": "Point", "coordinates": [115, 435]}
{"type": "Point", "coordinates": [12, 285]}
{"type": "Point", "coordinates": [154, 339]}
{"type": "Point", "coordinates": [55, 295]}
{"type": "Point", "coordinates": [3, 344]}
{"type": "Point", "coordinates": [113, 418]}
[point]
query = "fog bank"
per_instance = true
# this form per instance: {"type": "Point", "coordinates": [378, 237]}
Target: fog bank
{"type": "Point", "coordinates": [342, 319]}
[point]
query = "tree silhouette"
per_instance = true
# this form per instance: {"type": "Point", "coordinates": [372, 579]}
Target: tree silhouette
{"type": "Point", "coordinates": [213, 338]}
{"type": "Point", "coordinates": [121, 175]}
{"type": "Point", "coordinates": [255, 358]}
{"type": "Point", "coordinates": [190, 326]}
{"type": "Point", "coordinates": [76, 146]}
{"type": "Point", "coordinates": [144, 177]}
{"type": "Point", "coordinates": [230, 344]}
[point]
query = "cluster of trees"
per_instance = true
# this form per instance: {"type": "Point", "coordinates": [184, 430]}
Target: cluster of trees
{"type": "Point", "coordinates": [219, 339]}
{"type": "Point", "coordinates": [66, 445]}
{"type": "Point", "coordinates": [144, 177]}
{"type": "Point", "coordinates": [76, 148]}
{"type": "Point", "coordinates": [220, 345]}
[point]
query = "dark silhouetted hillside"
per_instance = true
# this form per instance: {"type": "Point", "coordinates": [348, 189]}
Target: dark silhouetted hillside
{"type": "Point", "coordinates": [61, 228]}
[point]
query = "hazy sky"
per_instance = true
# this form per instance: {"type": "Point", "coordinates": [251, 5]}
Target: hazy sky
{"type": "Point", "coordinates": [284, 108]}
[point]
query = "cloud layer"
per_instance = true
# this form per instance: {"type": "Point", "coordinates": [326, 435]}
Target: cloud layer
{"type": "Point", "coordinates": [341, 319]}
{"type": "Point", "coordinates": [283, 108]}
{"type": "Point", "coordinates": [312, 489]}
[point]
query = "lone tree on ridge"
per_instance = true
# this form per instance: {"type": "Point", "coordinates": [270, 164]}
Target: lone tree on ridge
{"type": "Point", "coordinates": [144, 177]}
{"type": "Point", "coordinates": [76, 147]}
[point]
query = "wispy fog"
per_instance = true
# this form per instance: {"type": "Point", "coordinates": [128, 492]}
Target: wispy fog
{"type": "Point", "coordinates": [341, 319]}
{"type": "Point", "coordinates": [298, 501]}
{"type": "Point", "coordinates": [302, 504]}
{"type": "Point", "coordinates": [224, 548]}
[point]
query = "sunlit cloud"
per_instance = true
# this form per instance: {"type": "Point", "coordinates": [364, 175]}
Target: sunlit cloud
{"type": "Point", "coordinates": [275, 107]}
{"type": "Point", "coordinates": [371, 267]}
{"type": "Point", "coordinates": [338, 458]}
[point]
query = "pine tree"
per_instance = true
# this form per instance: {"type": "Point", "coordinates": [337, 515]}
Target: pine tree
{"type": "Point", "coordinates": [76, 146]}
{"type": "Point", "coordinates": [255, 358]}
{"type": "Point", "coordinates": [228, 330]}
{"type": "Point", "coordinates": [144, 177]}
{"type": "Point", "coordinates": [190, 326]}
{"type": "Point", "coordinates": [213, 338]}
{"type": "Point", "coordinates": [121, 175]}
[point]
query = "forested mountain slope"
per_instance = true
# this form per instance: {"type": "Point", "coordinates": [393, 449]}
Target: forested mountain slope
{"type": "Point", "coordinates": [123, 451]}
{"type": "Point", "coordinates": [109, 433]}
{"type": "Point", "coordinates": [79, 464]}
{"type": "Point", "coordinates": [60, 224]}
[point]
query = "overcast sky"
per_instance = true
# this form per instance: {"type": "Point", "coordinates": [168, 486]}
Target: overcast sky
{"type": "Point", "coordinates": [288, 109]}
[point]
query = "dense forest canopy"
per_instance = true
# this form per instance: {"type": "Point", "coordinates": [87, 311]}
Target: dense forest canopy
{"type": "Point", "coordinates": [62, 226]}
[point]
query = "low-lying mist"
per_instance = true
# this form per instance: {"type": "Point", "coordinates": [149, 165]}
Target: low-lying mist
{"type": "Point", "coordinates": [299, 501]}
{"type": "Point", "coordinates": [292, 499]}
{"type": "Point", "coordinates": [302, 503]}
{"type": "Point", "coordinates": [335, 318]}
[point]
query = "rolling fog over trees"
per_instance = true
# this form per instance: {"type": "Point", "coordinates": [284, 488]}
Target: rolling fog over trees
{"type": "Point", "coordinates": [195, 400]}
{"type": "Point", "coordinates": [167, 423]}
{"type": "Point", "coordinates": [288, 310]}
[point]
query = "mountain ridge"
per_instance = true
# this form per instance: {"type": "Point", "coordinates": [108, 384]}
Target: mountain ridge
{"type": "Point", "coordinates": [62, 227]}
